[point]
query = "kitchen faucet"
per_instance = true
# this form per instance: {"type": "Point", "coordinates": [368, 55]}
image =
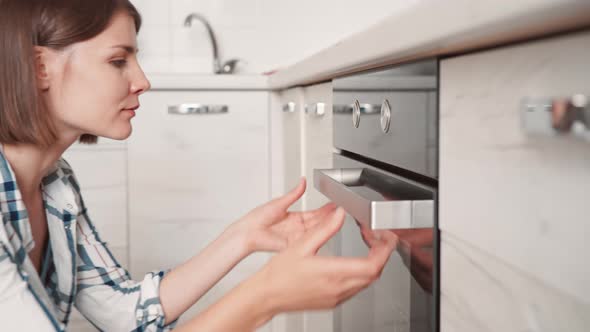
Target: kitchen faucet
{"type": "Point", "coordinates": [229, 66]}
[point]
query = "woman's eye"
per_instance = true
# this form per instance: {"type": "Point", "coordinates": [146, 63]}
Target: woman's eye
{"type": "Point", "coordinates": [119, 63]}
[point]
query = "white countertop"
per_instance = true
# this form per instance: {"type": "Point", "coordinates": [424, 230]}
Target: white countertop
{"type": "Point", "coordinates": [429, 28]}
{"type": "Point", "coordinates": [437, 27]}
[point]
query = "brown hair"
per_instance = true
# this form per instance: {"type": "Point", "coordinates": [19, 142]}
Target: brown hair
{"type": "Point", "coordinates": [51, 23]}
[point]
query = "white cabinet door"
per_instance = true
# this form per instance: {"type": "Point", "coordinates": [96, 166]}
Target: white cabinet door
{"type": "Point", "coordinates": [286, 127]}
{"type": "Point", "coordinates": [317, 139]}
{"type": "Point", "coordinates": [191, 175]}
{"type": "Point", "coordinates": [513, 206]}
{"type": "Point", "coordinates": [317, 147]}
{"type": "Point", "coordinates": [290, 111]}
{"type": "Point", "coordinates": [306, 143]}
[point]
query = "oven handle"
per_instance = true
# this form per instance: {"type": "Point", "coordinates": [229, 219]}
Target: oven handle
{"type": "Point", "coordinates": [407, 212]}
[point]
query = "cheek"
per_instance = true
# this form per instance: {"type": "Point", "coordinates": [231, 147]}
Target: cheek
{"type": "Point", "coordinates": [96, 91]}
{"type": "Point", "coordinates": [91, 99]}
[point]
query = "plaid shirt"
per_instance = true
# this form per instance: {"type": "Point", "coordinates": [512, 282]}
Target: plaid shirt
{"type": "Point", "coordinates": [78, 268]}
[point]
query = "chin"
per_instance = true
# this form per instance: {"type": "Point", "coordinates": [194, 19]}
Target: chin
{"type": "Point", "coordinates": [119, 135]}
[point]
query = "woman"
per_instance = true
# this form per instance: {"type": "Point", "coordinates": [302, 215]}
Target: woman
{"type": "Point", "coordinates": [69, 72]}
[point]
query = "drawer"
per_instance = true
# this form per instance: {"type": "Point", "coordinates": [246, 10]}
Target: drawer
{"type": "Point", "coordinates": [520, 197]}
{"type": "Point", "coordinates": [196, 158]}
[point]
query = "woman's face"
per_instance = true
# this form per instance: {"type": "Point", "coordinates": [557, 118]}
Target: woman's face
{"type": "Point", "coordinates": [93, 86]}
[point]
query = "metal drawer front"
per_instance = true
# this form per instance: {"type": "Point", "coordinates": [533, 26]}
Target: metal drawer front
{"type": "Point", "coordinates": [389, 115]}
{"type": "Point", "coordinates": [374, 198]}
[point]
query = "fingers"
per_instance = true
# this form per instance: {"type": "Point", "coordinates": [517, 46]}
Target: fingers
{"type": "Point", "coordinates": [317, 236]}
{"type": "Point", "coordinates": [285, 201]}
{"type": "Point", "coordinates": [308, 215]}
{"type": "Point", "coordinates": [357, 267]}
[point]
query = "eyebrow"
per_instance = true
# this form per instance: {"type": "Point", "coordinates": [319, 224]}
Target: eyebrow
{"type": "Point", "coordinates": [128, 48]}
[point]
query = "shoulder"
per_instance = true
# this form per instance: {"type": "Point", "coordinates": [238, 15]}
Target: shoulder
{"type": "Point", "coordinates": [64, 172]}
{"type": "Point", "coordinates": [8, 188]}
{"type": "Point", "coordinates": [61, 183]}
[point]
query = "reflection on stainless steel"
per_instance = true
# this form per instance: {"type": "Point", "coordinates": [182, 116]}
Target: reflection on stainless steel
{"type": "Point", "coordinates": [415, 247]}
{"type": "Point", "coordinates": [403, 299]}
{"type": "Point", "coordinates": [376, 199]}
{"type": "Point", "coordinates": [389, 116]}
{"type": "Point", "coordinates": [551, 116]}
{"type": "Point", "coordinates": [363, 108]}
{"type": "Point", "coordinates": [392, 137]}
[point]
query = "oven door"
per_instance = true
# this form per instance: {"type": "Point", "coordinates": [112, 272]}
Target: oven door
{"type": "Point", "coordinates": [401, 300]}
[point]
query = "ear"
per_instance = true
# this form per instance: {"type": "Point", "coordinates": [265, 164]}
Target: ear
{"type": "Point", "coordinates": [41, 67]}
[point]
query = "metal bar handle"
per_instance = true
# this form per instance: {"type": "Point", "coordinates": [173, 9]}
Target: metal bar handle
{"type": "Point", "coordinates": [317, 109]}
{"type": "Point", "coordinates": [379, 201]}
{"type": "Point", "coordinates": [552, 116]}
{"type": "Point", "coordinates": [289, 107]}
{"type": "Point", "coordinates": [188, 109]}
{"type": "Point", "coordinates": [363, 108]}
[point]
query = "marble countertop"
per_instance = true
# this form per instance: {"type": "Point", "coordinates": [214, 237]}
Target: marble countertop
{"type": "Point", "coordinates": [437, 28]}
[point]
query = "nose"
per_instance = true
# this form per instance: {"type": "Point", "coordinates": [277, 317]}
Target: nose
{"type": "Point", "coordinates": [139, 83]}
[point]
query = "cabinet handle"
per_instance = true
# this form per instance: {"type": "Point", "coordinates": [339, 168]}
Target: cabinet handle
{"type": "Point", "coordinates": [382, 201]}
{"type": "Point", "coordinates": [556, 115]}
{"type": "Point", "coordinates": [289, 107]}
{"type": "Point", "coordinates": [188, 109]}
{"type": "Point", "coordinates": [363, 108]}
{"type": "Point", "coordinates": [317, 109]}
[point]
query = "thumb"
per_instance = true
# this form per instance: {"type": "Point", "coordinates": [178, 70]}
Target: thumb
{"type": "Point", "coordinates": [317, 236]}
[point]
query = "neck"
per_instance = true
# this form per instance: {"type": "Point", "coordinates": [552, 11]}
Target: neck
{"type": "Point", "coordinates": [31, 163]}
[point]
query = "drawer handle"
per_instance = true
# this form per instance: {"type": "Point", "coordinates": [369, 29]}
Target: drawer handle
{"type": "Point", "coordinates": [363, 108]}
{"type": "Point", "coordinates": [556, 115]}
{"type": "Point", "coordinates": [188, 109]}
{"type": "Point", "coordinates": [317, 109]}
{"type": "Point", "coordinates": [375, 199]}
{"type": "Point", "coordinates": [289, 107]}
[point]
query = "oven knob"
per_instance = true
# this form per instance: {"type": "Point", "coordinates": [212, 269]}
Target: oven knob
{"type": "Point", "coordinates": [385, 116]}
{"type": "Point", "coordinates": [356, 114]}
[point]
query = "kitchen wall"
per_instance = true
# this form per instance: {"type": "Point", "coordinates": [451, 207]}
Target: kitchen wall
{"type": "Point", "coordinates": [266, 33]}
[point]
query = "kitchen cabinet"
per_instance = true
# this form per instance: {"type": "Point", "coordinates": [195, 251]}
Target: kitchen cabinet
{"type": "Point", "coordinates": [192, 174]}
{"type": "Point", "coordinates": [317, 147]}
{"type": "Point", "coordinates": [317, 139]}
{"type": "Point", "coordinates": [306, 141]}
{"type": "Point", "coordinates": [513, 198]}
{"type": "Point", "coordinates": [104, 188]}
{"type": "Point", "coordinates": [291, 112]}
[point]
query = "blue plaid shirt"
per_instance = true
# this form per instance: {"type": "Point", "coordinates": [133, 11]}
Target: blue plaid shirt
{"type": "Point", "coordinates": [78, 268]}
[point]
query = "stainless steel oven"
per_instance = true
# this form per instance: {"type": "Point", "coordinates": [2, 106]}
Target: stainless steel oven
{"type": "Point", "coordinates": [385, 176]}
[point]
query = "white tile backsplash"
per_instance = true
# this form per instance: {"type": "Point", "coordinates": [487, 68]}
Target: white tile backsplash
{"type": "Point", "coordinates": [265, 33]}
{"type": "Point", "coordinates": [155, 40]}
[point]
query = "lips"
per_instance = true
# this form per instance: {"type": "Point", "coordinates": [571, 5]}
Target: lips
{"type": "Point", "coordinates": [132, 108]}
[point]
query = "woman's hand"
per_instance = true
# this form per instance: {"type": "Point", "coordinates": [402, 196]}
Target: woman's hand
{"type": "Point", "coordinates": [298, 279]}
{"type": "Point", "coordinates": [270, 227]}
{"type": "Point", "coordinates": [414, 247]}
